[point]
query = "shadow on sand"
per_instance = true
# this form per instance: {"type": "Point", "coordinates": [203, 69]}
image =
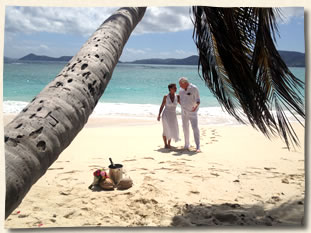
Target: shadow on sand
{"type": "Point", "coordinates": [227, 214]}
{"type": "Point", "coordinates": [177, 151]}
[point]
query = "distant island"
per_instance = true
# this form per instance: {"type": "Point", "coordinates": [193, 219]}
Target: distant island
{"type": "Point", "coordinates": [34, 57]}
{"type": "Point", "coordinates": [292, 59]}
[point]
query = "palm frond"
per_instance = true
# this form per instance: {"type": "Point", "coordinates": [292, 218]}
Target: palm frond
{"type": "Point", "coordinates": [243, 69]}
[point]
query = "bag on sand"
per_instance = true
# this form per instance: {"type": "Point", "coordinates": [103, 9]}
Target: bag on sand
{"type": "Point", "coordinates": [125, 183]}
{"type": "Point", "coordinates": [106, 184]}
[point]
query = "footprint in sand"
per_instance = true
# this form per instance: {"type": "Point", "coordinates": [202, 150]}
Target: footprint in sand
{"type": "Point", "coordinates": [258, 196]}
{"type": "Point", "coordinates": [65, 193]}
{"type": "Point", "coordinates": [142, 168]}
{"type": "Point", "coordinates": [222, 170]}
{"type": "Point", "coordinates": [194, 192]}
{"type": "Point", "coordinates": [203, 132]}
{"type": "Point", "coordinates": [285, 159]}
{"type": "Point", "coordinates": [62, 161]}
{"type": "Point", "coordinates": [163, 168]}
{"type": "Point", "coordinates": [213, 139]}
{"type": "Point", "coordinates": [70, 172]}
{"type": "Point", "coordinates": [269, 168]}
{"type": "Point", "coordinates": [36, 208]}
{"type": "Point", "coordinates": [183, 159]}
{"type": "Point", "coordinates": [60, 204]}
{"type": "Point", "coordinates": [52, 220]}
{"type": "Point", "coordinates": [175, 163]}
{"type": "Point", "coordinates": [23, 215]}
{"type": "Point", "coordinates": [97, 166]}
{"type": "Point", "coordinates": [129, 160]}
{"type": "Point", "coordinates": [214, 174]}
{"type": "Point", "coordinates": [69, 214]}
{"type": "Point", "coordinates": [274, 199]}
{"type": "Point", "coordinates": [255, 168]}
{"type": "Point", "coordinates": [55, 168]}
{"type": "Point", "coordinates": [69, 178]}
{"type": "Point", "coordinates": [177, 170]}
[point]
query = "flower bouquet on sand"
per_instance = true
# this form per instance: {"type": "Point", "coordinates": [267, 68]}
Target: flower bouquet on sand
{"type": "Point", "coordinates": [105, 181]}
{"type": "Point", "coordinates": [101, 178]}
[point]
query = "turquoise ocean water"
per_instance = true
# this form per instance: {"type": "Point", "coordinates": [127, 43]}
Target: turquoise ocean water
{"type": "Point", "coordinates": [134, 90]}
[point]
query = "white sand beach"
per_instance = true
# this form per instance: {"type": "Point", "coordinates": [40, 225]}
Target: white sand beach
{"type": "Point", "coordinates": [239, 178]}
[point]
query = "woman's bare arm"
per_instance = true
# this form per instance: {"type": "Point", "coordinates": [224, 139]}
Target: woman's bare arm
{"type": "Point", "coordinates": [162, 106]}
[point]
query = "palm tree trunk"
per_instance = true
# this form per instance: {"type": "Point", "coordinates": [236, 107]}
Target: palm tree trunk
{"type": "Point", "coordinates": [36, 137]}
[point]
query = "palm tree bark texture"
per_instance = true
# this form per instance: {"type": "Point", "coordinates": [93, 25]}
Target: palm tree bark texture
{"type": "Point", "coordinates": [47, 125]}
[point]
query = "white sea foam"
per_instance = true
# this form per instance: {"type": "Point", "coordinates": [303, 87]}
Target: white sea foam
{"type": "Point", "coordinates": [13, 107]}
{"type": "Point", "coordinates": [207, 115]}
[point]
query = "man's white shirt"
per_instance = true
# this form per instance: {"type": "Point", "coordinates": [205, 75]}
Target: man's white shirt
{"type": "Point", "coordinates": [189, 97]}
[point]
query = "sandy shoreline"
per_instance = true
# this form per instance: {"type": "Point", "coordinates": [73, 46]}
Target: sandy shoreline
{"type": "Point", "coordinates": [240, 178]}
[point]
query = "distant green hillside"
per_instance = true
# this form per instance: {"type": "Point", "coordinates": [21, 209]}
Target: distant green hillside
{"type": "Point", "coordinates": [292, 59]}
{"type": "Point", "coordinates": [34, 57]}
{"type": "Point", "coordinates": [192, 60]}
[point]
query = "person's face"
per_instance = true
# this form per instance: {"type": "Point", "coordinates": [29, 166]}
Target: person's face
{"type": "Point", "coordinates": [173, 89]}
{"type": "Point", "coordinates": [183, 85]}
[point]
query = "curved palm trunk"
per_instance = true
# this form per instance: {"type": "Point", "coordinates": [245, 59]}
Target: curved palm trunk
{"type": "Point", "coordinates": [36, 137]}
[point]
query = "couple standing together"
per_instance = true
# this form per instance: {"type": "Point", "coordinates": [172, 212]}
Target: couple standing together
{"type": "Point", "coordinates": [189, 101]}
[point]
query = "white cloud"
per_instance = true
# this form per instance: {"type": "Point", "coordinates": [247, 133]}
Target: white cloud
{"type": "Point", "coordinates": [84, 21]}
{"type": "Point", "coordinates": [289, 13]}
{"type": "Point", "coordinates": [43, 46]}
{"type": "Point", "coordinates": [80, 21]}
{"type": "Point", "coordinates": [135, 51]}
{"type": "Point", "coordinates": [165, 19]}
{"type": "Point", "coordinates": [179, 51]}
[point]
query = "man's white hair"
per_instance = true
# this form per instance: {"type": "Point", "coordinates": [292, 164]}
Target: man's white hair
{"type": "Point", "coordinates": [183, 80]}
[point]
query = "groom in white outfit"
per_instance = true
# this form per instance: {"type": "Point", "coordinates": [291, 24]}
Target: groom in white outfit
{"type": "Point", "coordinates": [189, 102]}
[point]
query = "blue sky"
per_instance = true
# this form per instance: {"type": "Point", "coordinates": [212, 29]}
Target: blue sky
{"type": "Point", "coordinates": [164, 32]}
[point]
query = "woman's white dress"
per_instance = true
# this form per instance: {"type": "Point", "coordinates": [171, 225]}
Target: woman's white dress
{"type": "Point", "coordinates": [169, 119]}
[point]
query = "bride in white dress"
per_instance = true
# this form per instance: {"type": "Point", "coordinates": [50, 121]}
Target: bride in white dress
{"type": "Point", "coordinates": [169, 118]}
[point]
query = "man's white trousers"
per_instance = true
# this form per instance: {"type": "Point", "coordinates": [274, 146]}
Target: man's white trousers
{"type": "Point", "coordinates": [191, 117]}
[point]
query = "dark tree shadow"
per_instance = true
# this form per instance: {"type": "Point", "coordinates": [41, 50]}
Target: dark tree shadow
{"type": "Point", "coordinates": [290, 214]}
